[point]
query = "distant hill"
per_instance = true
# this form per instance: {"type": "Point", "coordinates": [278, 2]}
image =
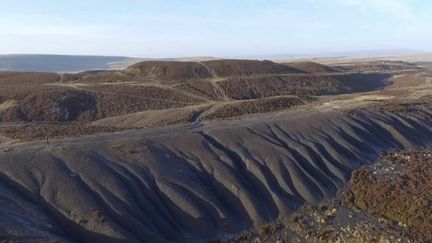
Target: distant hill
{"type": "Point", "coordinates": [175, 70]}
{"type": "Point", "coordinates": [229, 68]}
{"type": "Point", "coordinates": [169, 70]}
{"type": "Point", "coordinates": [62, 63]}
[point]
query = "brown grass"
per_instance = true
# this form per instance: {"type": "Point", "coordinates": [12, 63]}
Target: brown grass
{"type": "Point", "coordinates": [168, 71]}
{"type": "Point", "coordinates": [229, 68]}
{"type": "Point", "coordinates": [98, 77]}
{"type": "Point", "coordinates": [267, 86]}
{"type": "Point", "coordinates": [406, 108]}
{"type": "Point", "coordinates": [399, 188]}
{"type": "Point", "coordinates": [40, 132]}
{"type": "Point", "coordinates": [31, 78]}
{"type": "Point", "coordinates": [54, 103]}
{"type": "Point", "coordinates": [300, 85]}
{"type": "Point", "coordinates": [374, 66]}
{"type": "Point", "coordinates": [311, 67]}
{"type": "Point", "coordinates": [253, 106]}
{"type": "Point", "coordinates": [201, 88]}
{"type": "Point", "coordinates": [387, 201]}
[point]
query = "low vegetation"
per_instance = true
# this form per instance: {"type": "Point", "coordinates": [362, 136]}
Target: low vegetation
{"type": "Point", "coordinates": [311, 67]}
{"type": "Point", "coordinates": [388, 201]}
{"type": "Point", "coordinates": [253, 106]}
{"type": "Point", "coordinates": [374, 66]}
{"type": "Point", "coordinates": [235, 68]}
{"type": "Point", "coordinates": [406, 108]}
{"type": "Point", "coordinates": [26, 78]}
{"type": "Point", "coordinates": [47, 103]}
{"type": "Point", "coordinates": [397, 188]}
{"type": "Point", "coordinates": [36, 132]}
{"type": "Point", "coordinates": [202, 88]}
{"type": "Point", "coordinates": [168, 71]}
{"type": "Point", "coordinates": [275, 85]}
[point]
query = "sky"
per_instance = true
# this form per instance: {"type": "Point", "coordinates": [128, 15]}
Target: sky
{"type": "Point", "coordinates": [221, 28]}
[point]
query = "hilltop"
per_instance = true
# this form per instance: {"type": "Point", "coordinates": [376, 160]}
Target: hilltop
{"type": "Point", "coordinates": [311, 67]}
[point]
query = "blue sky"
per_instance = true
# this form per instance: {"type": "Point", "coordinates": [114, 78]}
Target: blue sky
{"type": "Point", "coordinates": [175, 28]}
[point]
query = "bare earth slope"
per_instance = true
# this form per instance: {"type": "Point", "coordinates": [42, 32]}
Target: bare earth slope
{"type": "Point", "coordinates": [191, 182]}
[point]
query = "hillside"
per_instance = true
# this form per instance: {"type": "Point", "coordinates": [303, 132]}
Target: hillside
{"type": "Point", "coordinates": [300, 85]}
{"type": "Point", "coordinates": [373, 66]}
{"type": "Point", "coordinates": [53, 102]}
{"type": "Point", "coordinates": [169, 71]}
{"type": "Point", "coordinates": [311, 67]}
{"type": "Point", "coordinates": [230, 68]}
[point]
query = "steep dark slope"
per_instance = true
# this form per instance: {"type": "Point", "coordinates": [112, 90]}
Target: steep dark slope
{"type": "Point", "coordinates": [191, 183]}
{"type": "Point", "coordinates": [240, 88]}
